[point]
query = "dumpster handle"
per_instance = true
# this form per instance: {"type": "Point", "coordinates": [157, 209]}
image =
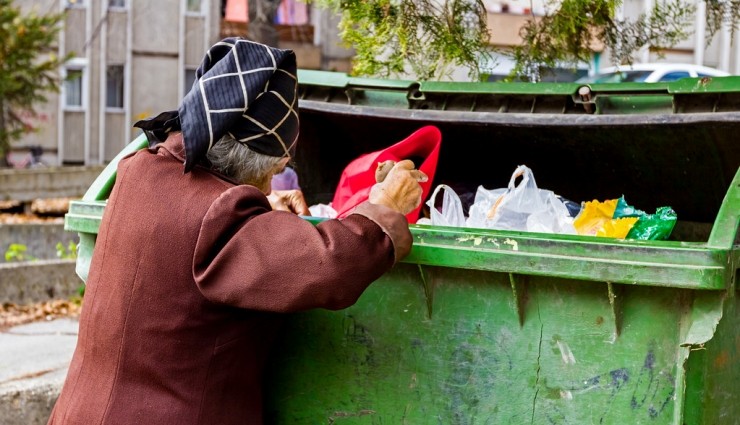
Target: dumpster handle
{"type": "Point", "coordinates": [100, 189]}
{"type": "Point", "coordinates": [725, 226]}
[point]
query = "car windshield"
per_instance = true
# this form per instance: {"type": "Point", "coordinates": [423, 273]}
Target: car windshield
{"type": "Point", "coordinates": [617, 77]}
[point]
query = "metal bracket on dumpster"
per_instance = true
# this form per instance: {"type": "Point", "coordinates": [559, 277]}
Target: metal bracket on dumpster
{"type": "Point", "coordinates": [585, 98]}
{"type": "Point", "coordinates": [615, 301]}
{"type": "Point", "coordinates": [427, 281]}
{"type": "Point", "coordinates": [414, 93]}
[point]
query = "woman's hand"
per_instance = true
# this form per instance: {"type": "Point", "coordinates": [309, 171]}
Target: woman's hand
{"type": "Point", "coordinates": [288, 200]}
{"type": "Point", "coordinates": [398, 186]}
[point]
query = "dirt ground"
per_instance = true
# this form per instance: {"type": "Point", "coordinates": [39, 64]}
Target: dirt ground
{"type": "Point", "coordinates": [39, 211]}
{"type": "Point", "coordinates": [14, 314]}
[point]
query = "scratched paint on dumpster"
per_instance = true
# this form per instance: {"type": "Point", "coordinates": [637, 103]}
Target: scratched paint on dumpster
{"type": "Point", "coordinates": [386, 360]}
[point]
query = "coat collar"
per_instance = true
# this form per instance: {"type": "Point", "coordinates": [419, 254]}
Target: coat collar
{"type": "Point", "coordinates": [175, 148]}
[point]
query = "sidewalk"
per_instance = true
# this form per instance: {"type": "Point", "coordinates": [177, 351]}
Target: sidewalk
{"type": "Point", "coordinates": [33, 364]}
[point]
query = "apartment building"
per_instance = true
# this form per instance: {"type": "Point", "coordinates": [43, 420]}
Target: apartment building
{"type": "Point", "coordinates": [131, 59]}
{"type": "Point", "coordinates": [135, 58]}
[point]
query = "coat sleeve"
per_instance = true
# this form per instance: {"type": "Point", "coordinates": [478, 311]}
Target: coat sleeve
{"type": "Point", "coordinates": [252, 257]}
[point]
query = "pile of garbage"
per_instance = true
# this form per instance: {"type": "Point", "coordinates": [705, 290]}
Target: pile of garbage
{"type": "Point", "coordinates": [525, 207]}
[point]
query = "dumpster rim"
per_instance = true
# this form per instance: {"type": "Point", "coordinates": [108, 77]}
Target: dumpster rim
{"type": "Point", "coordinates": [516, 119]}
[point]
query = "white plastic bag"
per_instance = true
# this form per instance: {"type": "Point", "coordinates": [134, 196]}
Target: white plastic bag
{"type": "Point", "coordinates": [520, 207]}
{"type": "Point", "coordinates": [482, 203]}
{"type": "Point", "coordinates": [452, 211]}
{"type": "Point", "coordinates": [322, 210]}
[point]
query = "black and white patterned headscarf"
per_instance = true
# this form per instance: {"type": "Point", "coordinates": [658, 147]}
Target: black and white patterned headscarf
{"type": "Point", "coordinates": [242, 88]}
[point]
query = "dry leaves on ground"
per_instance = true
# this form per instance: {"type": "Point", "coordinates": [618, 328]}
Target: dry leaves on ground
{"type": "Point", "coordinates": [39, 211]}
{"type": "Point", "coordinates": [54, 206]}
{"type": "Point", "coordinates": [9, 218]}
{"type": "Point", "coordinates": [14, 314]}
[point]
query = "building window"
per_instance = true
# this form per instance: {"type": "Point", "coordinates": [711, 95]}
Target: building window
{"type": "Point", "coordinates": [73, 86]}
{"type": "Point", "coordinates": [189, 79]}
{"type": "Point", "coordinates": [194, 6]}
{"type": "Point", "coordinates": [114, 86]}
{"type": "Point", "coordinates": [75, 3]}
{"type": "Point", "coordinates": [117, 4]}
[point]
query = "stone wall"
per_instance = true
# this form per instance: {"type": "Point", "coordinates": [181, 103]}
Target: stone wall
{"type": "Point", "coordinates": [45, 278]}
{"type": "Point", "coordinates": [50, 182]}
{"type": "Point", "coordinates": [40, 239]}
{"type": "Point", "coordinates": [28, 282]}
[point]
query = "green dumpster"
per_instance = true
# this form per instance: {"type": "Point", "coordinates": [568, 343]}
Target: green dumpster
{"type": "Point", "coordinates": [501, 327]}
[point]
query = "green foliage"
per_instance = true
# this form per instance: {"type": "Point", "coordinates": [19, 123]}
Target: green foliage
{"type": "Point", "coordinates": [28, 67]}
{"type": "Point", "coordinates": [568, 34]}
{"type": "Point", "coordinates": [18, 252]}
{"type": "Point", "coordinates": [722, 11]}
{"type": "Point", "coordinates": [68, 252]}
{"type": "Point", "coordinates": [425, 39]}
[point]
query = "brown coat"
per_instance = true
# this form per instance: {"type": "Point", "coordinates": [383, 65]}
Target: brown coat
{"type": "Point", "coordinates": [188, 275]}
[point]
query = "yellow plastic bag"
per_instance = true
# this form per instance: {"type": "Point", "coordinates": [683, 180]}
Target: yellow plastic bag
{"type": "Point", "coordinates": [617, 227]}
{"type": "Point", "coordinates": [596, 219]}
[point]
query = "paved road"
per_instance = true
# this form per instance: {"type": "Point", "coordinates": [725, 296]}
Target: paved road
{"type": "Point", "coordinates": [33, 364]}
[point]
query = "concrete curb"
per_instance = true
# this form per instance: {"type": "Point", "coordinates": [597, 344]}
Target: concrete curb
{"type": "Point", "coordinates": [33, 365]}
{"type": "Point", "coordinates": [31, 406]}
{"type": "Point", "coordinates": [33, 281]}
{"type": "Point", "coordinates": [49, 182]}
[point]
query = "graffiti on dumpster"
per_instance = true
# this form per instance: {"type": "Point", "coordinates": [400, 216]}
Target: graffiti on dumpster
{"type": "Point", "coordinates": [479, 379]}
{"type": "Point", "coordinates": [651, 390]}
{"type": "Point", "coordinates": [480, 376]}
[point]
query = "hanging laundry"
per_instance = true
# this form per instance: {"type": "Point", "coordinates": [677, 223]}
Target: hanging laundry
{"type": "Point", "coordinates": [292, 12]}
{"type": "Point", "coordinates": [236, 11]}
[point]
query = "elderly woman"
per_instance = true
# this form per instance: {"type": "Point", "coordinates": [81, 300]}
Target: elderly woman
{"type": "Point", "coordinates": [193, 264]}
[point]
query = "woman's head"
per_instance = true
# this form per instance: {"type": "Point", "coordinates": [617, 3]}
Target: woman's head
{"type": "Point", "coordinates": [237, 161]}
{"type": "Point", "coordinates": [245, 89]}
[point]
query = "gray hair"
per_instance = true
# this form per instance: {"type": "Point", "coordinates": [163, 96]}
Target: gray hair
{"type": "Point", "coordinates": [237, 161]}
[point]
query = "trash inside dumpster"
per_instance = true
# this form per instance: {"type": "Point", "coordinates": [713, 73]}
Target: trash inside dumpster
{"type": "Point", "coordinates": [507, 326]}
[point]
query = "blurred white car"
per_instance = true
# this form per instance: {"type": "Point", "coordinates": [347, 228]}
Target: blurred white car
{"type": "Point", "coordinates": [651, 73]}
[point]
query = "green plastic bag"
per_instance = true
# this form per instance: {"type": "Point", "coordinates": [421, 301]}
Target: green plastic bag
{"type": "Point", "coordinates": [656, 226]}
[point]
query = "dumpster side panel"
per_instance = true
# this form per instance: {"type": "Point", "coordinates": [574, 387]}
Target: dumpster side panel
{"type": "Point", "coordinates": [712, 371]}
{"type": "Point", "coordinates": [455, 346]}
